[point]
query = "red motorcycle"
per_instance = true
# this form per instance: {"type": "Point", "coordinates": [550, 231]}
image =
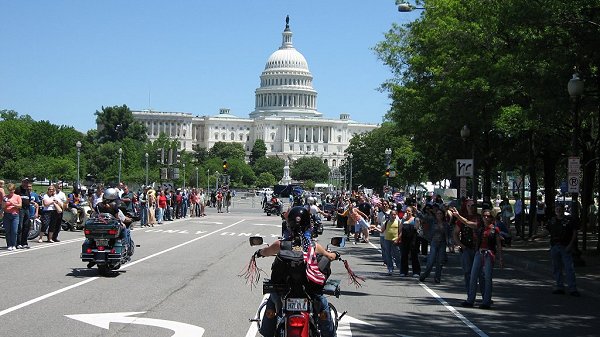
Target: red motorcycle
{"type": "Point", "coordinates": [296, 304]}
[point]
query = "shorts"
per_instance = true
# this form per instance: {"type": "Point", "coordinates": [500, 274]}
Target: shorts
{"type": "Point", "coordinates": [360, 225]}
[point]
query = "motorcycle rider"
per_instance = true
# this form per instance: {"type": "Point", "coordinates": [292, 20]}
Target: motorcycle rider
{"type": "Point", "coordinates": [110, 204]}
{"type": "Point", "coordinates": [75, 198]}
{"type": "Point", "coordinates": [298, 236]}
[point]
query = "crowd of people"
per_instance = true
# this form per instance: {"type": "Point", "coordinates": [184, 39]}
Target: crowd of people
{"type": "Point", "coordinates": [409, 226]}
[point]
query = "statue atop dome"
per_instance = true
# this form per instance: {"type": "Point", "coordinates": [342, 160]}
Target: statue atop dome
{"type": "Point", "coordinates": [287, 22]}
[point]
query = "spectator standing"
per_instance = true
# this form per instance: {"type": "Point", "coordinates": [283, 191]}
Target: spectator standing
{"type": "Point", "coordinates": [127, 199]}
{"type": "Point", "coordinates": [2, 195]}
{"type": "Point", "coordinates": [227, 200]}
{"type": "Point", "coordinates": [489, 248]}
{"type": "Point", "coordinates": [64, 203]}
{"type": "Point", "coordinates": [11, 205]}
{"type": "Point", "coordinates": [220, 202]}
{"type": "Point", "coordinates": [203, 201]}
{"type": "Point", "coordinates": [143, 199]}
{"type": "Point", "coordinates": [357, 218]}
{"type": "Point", "coordinates": [519, 224]}
{"type": "Point", "coordinates": [383, 214]}
{"type": "Point", "coordinates": [506, 211]}
{"type": "Point", "coordinates": [178, 204]}
{"type": "Point", "coordinates": [408, 243]}
{"type": "Point", "coordinates": [438, 237]}
{"type": "Point", "coordinates": [563, 233]}
{"type": "Point", "coordinates": [540, 217]}
{"type": "Point", "coordinates": [159, 200]}
{"type": "Point", "coordinates": [24, 191]}
{"type": "Point", "coordinates": [391, 235]}
{"type": "Point", "coordinates": [466, 223]}
{"type": "Point", "coordinates": [52, 207]}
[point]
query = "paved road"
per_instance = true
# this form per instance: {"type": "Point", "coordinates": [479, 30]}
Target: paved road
{"type": "Point", "coordinates": [183, 282]}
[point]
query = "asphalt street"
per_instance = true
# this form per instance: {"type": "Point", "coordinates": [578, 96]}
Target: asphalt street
{"type": "Point", "coordinates": [183, 281]}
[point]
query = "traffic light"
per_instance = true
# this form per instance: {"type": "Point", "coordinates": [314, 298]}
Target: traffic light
{"type": "Point", "coordinates": [225, 166]}
{"type": "Point", "coordinates": [387, 173]}
{"type": "Point", "coordinates": [163, 173]}
{"type": "Point", "coordinates": [160, 156]}
{"type": "Point", "coordinates": [177, 157]}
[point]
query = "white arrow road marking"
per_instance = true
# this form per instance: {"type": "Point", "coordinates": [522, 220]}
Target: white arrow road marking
{"type": "Point", "coordinates": [104, 320]}
{"type": "Point", "coordinates": [344, 324]}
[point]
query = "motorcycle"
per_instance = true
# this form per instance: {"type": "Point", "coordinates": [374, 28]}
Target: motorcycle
{"type": "Point", "coordinates": [317, 228]}
{"type": "Point", "coordinates": [296, 305]}
{"type": "Point", "coordinates": [34, 229]}
{"type": "Point", "coordinates": [69, 218]}
{"type": "Point", "coordinates": [104, 245]}
{"type": "Point", "coordinates": [273, 207]}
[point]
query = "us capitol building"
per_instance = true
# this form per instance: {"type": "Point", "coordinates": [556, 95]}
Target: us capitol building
{"type": "Point", "coordinates": [285, 116]}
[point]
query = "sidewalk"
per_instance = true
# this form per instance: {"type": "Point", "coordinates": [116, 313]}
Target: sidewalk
{"type": "Point", "coordinates": [534, 257]}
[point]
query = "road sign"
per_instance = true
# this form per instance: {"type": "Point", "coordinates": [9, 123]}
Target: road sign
{"type": "Point", "coordinates": [464, 167]}
{"type": "Point", "coordinates": [574, 166]}
{"type": "Point", "coordinates": [564, 187]}
{"type": "Point", "coordinates": [392, 173]}
{"type": "Point", "coordinates": [573, 183]}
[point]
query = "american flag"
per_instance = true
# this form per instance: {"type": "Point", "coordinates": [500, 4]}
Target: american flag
{"type": "Point", "coordinates": [312, 266]}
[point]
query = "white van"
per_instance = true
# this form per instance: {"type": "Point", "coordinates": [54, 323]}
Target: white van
{"type": "Point", "coordinates": [267, 190]}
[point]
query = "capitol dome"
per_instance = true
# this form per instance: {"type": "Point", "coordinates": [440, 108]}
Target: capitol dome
{"type": "Point", "coordinates": [286, 83]}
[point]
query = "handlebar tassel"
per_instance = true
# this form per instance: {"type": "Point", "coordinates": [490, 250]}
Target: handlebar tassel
{"type": "Point", "coordinates": [251, 273]}
{"type": "Point", "coordinates": [353, 278]}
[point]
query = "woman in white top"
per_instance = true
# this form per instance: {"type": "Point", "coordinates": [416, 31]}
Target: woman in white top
{"type": "Point", "coordinates": [51, 208]}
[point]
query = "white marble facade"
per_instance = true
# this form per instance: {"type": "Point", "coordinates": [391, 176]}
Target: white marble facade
{"type": "Point", "coordinates": [285, 116]}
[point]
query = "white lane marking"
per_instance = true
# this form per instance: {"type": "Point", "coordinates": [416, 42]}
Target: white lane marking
{"type": "Point", "coordinates": [454, 311]}
{"type": "Point", "coordinates": [56, 292]}
{"type": "Point", "coordinates": [446, 305]}
{"type": "Point", "coordinates": [344, 328]}
{"type": "Point", "coordinates": [40, 246]}
{"type": "Point", "coordinates": [104, 320]}
{"type": "Point", "coordinates": [265, 224]}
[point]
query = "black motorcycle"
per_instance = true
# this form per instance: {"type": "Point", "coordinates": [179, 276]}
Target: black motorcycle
{"type": "Point", "coordinates": [105, 244]}
{"type": "Point", "coordinates": [297, 309]}
{"type": "Point", "coordinates": [273, 207]}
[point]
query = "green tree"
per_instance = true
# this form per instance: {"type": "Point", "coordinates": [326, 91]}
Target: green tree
{"type": "Point", "coordinates": [259, 150]}
{"type": "Point", "coordinates": [228, 151]}
{"type": "Point", "coordinates": [265, 179]}
{"type": "Point", "coordinates": [273, 165]}
{"type": "Point", "coordinates": [313, 168]}
{"type": "Point", "coordinates": [116, 123]}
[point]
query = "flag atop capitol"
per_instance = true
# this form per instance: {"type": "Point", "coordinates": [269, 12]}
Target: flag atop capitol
{"type": "Point", "coordinates": [285, 116]}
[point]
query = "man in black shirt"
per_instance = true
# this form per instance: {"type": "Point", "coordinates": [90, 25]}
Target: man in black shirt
{"type": "Point", "coordinates": [563, 232]}
{"type": "Point", "coordinates": [24, 223]}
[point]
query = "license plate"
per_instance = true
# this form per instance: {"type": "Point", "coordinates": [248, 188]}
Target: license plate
{"type": "Point", "coordinates": [296, 304]}
{"type": "Point", "coordinates": [101, 242]}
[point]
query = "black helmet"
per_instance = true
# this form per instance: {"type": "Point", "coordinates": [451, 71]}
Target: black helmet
{"type": "Point", "coordinates": [298, 219]}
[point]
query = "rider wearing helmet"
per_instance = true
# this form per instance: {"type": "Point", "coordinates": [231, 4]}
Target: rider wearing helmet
{"type": "Point", "coordinates": [110, 204]}
{"type": "Point", "coordinates": [298, 237]}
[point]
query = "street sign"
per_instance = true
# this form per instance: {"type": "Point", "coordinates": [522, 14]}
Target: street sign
{"type": "Point", "coordinates": [564, 187]}
{"type": "Point", "coordinates": [392, 173]}
{"type": "Point", "coordinates": [464, 167]}
{"type": "Point", "coordinates": [573, 183]}
{"type": "Point", "coordinates": [574, 166]}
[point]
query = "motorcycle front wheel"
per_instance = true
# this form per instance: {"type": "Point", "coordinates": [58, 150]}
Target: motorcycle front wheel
{"type": "Point", "coordinates": [34, 229]}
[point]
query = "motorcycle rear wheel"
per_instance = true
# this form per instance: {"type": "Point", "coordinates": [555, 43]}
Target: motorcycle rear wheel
{"type": "Point", "coordinates": [34, 229]}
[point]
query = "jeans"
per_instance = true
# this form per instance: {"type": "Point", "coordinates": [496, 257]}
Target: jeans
{"type": "Point", "coordinates": [392, 254]}
{"type": "Point", "coordinates": [466, 262]}
{"type": "Point", "coordinates": [11, 226]}
{"type": "Point", "coordinates": [24, 226]}
{"type": "Point", "coordinates": [562, 259]}
{"type": "Point", "coordinates": [143, 215]}
{"type": "Point", "coordinates": [436, 255]}
{"type": "Point", "coordinates": [383, 247]}
{"type": "Point", "coordinates": [482, 262]}
{"type": "Point", "coordinates": [326, 326]}
{"type": "Point", "coordinates": [160, 213]}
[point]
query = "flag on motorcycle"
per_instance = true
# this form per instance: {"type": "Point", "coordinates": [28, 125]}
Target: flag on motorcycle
{"type": "Point", "coordinates": [312, 266]}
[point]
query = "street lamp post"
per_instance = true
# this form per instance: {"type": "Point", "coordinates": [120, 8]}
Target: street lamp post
{"type": "Point", "coordinates": [196, 176]}
{"type": "Point", "coordinates": [208, 181]}
{"type": "Point", "coordinates": [78, 144]}
{"type": "Point", "coordinates": [388, 155]}
{"type": "Point", "coordinates": [406, 7]}
{"type": "Point", "coordinates": [120, 157]}
{"type": "Point", "coordinates": [350, 156]}
{"type": "Point", "coordinates": [575, 88]}
{"type": "Point", "coordinates": [146, 156]}
{"type": "Point", "coordinates": [183, 175]}
{"type": "Point", "coordinates": [465, 133]}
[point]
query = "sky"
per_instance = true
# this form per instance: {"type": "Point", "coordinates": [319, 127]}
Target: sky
{"type": "Point", "coordinates": [62, 60]}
